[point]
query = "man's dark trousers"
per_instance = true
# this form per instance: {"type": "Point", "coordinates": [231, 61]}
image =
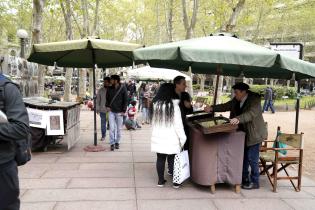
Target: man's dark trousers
{"type": "Point", "coordinates": [9, 186]}
{"type": "Point", "coordinates": [251, 158]}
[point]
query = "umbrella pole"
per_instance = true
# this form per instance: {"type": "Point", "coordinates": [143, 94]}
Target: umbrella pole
{"type": "Point", "coordinates": [219, 70]}
{"type": "Point", "coordinates": [94, 105]}
{"type": "Point", "coordinates": [297, 107]}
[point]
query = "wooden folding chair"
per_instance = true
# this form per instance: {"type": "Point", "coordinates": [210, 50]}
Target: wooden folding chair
{"type": "Point", "coordinates": [271, 158]}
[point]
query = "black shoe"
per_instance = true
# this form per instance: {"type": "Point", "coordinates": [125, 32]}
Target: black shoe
{"type": "Point", "coordinates": [161, 183]}
{"type": "Point", "coordinates": [176, 186]}
{"type": "Point", "coordinates": [250, 186]}
{"type": "Point", "coordinates": [245, 182]}
{"type": "Point", "coordinates": [112, 147]}
{"type": "Point", "coordinates": [116, 146]}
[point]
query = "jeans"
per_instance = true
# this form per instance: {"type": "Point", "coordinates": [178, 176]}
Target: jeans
{"type": "Point", "coordinates": [115, 123]}
{"type": "Point", "coordinates": [251, 158]}
{"type": "Point", "coordinates": [103, 123]}
{"type": "Point", "coordinates": [145, 115]}
{"type": "Point", "coordinates": [9, 187]}
{"type": "Point", "coordinates": [160, 164]}
{"type": "Point", "coordinates": [267, 104]}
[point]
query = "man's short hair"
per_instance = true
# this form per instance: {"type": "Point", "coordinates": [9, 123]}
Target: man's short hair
{"type": "Point", "coordinates": [178, 79]}
{"type": "Point", "coordinates": [115, 77]}
{"type": "Point", "coordinates": [107, 79]}
{"type": "Point", "coordinates": [241, 86]}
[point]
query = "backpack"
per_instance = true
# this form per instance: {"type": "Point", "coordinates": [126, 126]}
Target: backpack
{"type": "Point", "coordinates": [23, 146]}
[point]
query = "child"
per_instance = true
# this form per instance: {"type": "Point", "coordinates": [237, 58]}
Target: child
{"type": "Point", "coordinates": [132, 123]}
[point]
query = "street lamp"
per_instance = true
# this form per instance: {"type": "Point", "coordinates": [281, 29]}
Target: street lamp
{"type": "Point", "coordinates": [23, 35]}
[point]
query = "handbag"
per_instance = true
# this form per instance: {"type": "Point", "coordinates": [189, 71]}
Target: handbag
{"type": "Point", "coordinates": [181, 167]}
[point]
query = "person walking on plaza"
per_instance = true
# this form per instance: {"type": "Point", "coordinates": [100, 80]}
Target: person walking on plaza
{"type": "Point", "coordinates": [269, 97]}
{"type": "Point", "coordinates": [101, 105]}
{"type": "Point", "coordinates": [185, 103]}
{"type": "Point", "coordinates": [168, 135]}
{"type": "Point", "coordinates": [116, 103]}
{"type": "Point", "coordinates": [15, 129]}
{"type": "Point", "coordinates": [245, 111]}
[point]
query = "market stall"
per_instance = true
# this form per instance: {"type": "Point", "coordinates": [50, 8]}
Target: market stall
{"type": "Point", "coordinates": [216, 151]}
{"type": "Point", "coordinates": [51, 121]}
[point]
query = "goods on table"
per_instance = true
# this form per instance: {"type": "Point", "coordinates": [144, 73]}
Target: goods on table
{"type": "Point", "coordinates": [215, 125]}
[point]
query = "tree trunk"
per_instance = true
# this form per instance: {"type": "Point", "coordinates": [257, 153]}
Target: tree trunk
{"type": "Point", "coordinates": [86, 31]}
{"type": "Point", "coordinates": [169, 19]}
{"type": "Point", "coordinates": [95, 31]}
{"type": "Point", "coordinates": [66, 10]}
{"type": "Point", "coordinates": [82, 82]}
{"type": "Point", "coordinates": [288, 83]}
{"type": "Point", "coordinates": [233, 18]}
{"type": "Point", "coordinates": [202, 82]}
{"type": "Point", "coordinates": [38, 7]}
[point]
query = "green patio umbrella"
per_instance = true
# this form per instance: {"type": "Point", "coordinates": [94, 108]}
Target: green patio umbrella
{"type": "Point", "coordinates": [225, 55]}
{"type": "Point", "coordinates": [84, 53]}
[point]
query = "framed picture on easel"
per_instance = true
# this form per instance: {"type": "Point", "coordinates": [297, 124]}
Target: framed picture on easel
{"type": "Point", "coordinates": [55, 125]}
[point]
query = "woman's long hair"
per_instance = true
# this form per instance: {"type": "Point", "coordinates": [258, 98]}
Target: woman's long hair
{"type": "Point", "coordinates": [163, 107]}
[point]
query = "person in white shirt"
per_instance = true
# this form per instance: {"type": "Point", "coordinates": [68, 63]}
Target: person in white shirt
{"type": "Point", "coordinates": [168, 135]}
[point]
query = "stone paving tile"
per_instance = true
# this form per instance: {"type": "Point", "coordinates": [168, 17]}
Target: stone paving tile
{"type": "Point", "coordinates": [107, 194]}
{"type": "Point", "coordinates": [94, 160]}
{"type": "Point", "coordinates": [109, 154]}
{"type": "Point", "coordinates": [144, 159]}
{"type": "Point", "coordinates": [88, 173]}
{"type": "Point", "coordinates": [283, 192]}
{"type": "Point", "coordinates": [303, 204]}
{"type": "Point", "coordinates": [310, 190]}
{"type": "Point", "coordinates": [169, 193]}
{"type": "Point", "coordinates": [106, 166]}
{"type": "Point", "coordinates": [257, 204]}
{"type": "Point", "coordinates": [31, 174]}
{"type": "Point", "coordinates": [43, 183]}
{"type": "Point", "coordinates": [54, 166]}
{"type": "Point", "coordinates": [96, 205]}
{"type": "Point", "coordinates": [38, 206]}
{"type": "Point", "coordinates": [101, 183]}
{"type": "Point", "coordinates": [43, 159]}
{"type": "Point", "coordinates": [175, 204]}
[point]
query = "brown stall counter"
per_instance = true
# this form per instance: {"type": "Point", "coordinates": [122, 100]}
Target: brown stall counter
{"type": "Point", "coordinates": [216, 158]}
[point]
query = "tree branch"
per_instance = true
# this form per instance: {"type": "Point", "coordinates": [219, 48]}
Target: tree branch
{"type": "Point", "coordinates": [185, 15]}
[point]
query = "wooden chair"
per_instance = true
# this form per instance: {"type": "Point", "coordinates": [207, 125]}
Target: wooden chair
{"type": "Point", "coordinates": [271, 158]}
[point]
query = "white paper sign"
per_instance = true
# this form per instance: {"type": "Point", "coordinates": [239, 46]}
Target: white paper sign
{"type": "Point", "coordinates": [37, 118]}
{"type": "Point", "coordinates": [55, 125]}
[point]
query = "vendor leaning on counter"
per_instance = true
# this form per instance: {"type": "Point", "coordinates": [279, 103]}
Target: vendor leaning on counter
{"type": "Point", "coordinates": [246, 112]}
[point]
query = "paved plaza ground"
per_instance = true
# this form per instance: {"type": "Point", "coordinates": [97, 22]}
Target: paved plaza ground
{"type": "Point", "coordinates": [126, 179]}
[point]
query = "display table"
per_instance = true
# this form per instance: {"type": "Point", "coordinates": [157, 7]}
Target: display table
{"type": "Point", "coordinates": [216, 158]}
{"type": "Point", "coordinates": [69, 127]}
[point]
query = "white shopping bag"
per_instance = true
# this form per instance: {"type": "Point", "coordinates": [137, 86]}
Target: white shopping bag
{"type": "Point", "coordinates": [181, 167]}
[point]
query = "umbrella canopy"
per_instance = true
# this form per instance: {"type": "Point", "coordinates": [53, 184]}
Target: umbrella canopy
{"type": "Point", "coordinates": [236, 57]}
{"type": "Point", "coordinates": [149, 73]}
{"type": "Point", "coordinates": [84, 53]}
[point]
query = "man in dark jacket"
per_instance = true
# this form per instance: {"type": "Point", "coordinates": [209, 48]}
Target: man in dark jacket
{"type": "Point", "coordinates": [268, 100]}
{"type": "Point", "coordinates": [184, 104]}
{"type": "Point", "coordinates": [246, 112]}
{"type": "Point", "coordinates": [15, 129]}
{"type": "Point", "coordinates": [116, 103]}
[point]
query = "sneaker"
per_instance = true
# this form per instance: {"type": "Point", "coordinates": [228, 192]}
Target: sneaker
{"type": "Point", "coordinates": [103, 139]}
{"type": "Point", "coordinates": [116, 146]}
{"type": "Point", "coordinates": [112, 147]}
{"type": "Point", "coordinates": [161, 184]}
{"type": "Point", "coordinates": [176, 186]}
{"type": "Point", "coordinates": [250, 186]}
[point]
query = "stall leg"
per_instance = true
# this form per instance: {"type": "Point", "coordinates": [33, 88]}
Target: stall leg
{"type": "Point", "coordinates": [212, 188]}
{"type": "Point", "coordinates": [238, 188]}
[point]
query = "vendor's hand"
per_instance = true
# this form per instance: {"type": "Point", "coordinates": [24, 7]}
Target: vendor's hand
{"type": "Point", "coordinates": [208, 109]}
{"type": "Point", "coordinates": [108, 109]}
{"type": "Point", "coordinates": [234, 121]}
{"type": "Point", "coordinates": [187, 104]}
{"type": "Point", "coordinates": [122, 113]}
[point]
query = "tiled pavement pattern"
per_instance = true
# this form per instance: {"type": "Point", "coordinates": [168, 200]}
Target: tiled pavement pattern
{"type": "Point", "coordinates": [126, 179]}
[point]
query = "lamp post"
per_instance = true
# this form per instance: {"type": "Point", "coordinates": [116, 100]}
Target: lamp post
{"type": "Point", "coordinates": [23, 35]}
